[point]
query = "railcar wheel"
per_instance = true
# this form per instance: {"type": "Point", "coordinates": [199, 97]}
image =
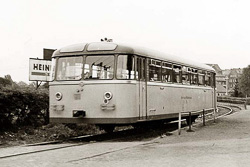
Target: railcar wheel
{"type": "Point", "coordinates": [71, 125]}
{"type": "Point", "coordinates": [149, 125]}
{"type": "Point", "coordinates": [139, 126]}
{"type": "Point", "coordinates": [107, 128]}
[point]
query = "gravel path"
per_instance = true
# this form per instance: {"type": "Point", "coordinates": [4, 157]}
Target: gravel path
{"type": "Point", "coordinates": [224, 143]}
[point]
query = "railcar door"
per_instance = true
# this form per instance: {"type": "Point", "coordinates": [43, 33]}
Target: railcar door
{"type": "Point", "coordinates": [142, 87]}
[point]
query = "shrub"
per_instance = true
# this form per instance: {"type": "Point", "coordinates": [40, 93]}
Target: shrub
{"type": "Point", "coordinates": [23, 106]}
{"type": "Point", "coordinates": [235, 100]}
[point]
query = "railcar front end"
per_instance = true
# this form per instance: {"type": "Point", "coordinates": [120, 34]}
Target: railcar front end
{"type": "Point", "coordinates": [93, 89]}
{"type": "Point", "coordinates": [96, 102]}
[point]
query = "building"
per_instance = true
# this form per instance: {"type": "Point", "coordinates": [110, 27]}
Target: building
{"type": "Point", "coordinates": [226, 79]}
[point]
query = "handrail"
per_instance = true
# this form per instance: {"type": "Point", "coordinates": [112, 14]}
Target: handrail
{"type": "Point", "coordinates": [199, 111]}
{"type": "Point", "coordinates": [190, 116]}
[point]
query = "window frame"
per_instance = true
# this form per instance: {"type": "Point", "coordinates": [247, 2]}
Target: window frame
{"type": "Point", "coordinates": [139, 69]}
{"type": "Point", "coordinates": [185, 71]}
{"type": "Point", "coordinates": [153, 63]}
{"type": "Point", "coordinates": [168, 68]}
{"type": "Point", "coordinates": [194, 72]}
{"type": "Point", "coordinates": [174, 73]}
{"type": "Point", "coordinates": [85, 60]}
{"type": "Point", "coordinates": [209, 78]}
{"type": "Point", "coordinates": [57, 70]}
{"type": "Point", "coordinates": [202, 74]}
{"type": "Point", "coordinates": [53, 72]}
{"type": "Point", "coordinates": [134, 66]}
{"type": "Point", "coordinates": [159, 64]}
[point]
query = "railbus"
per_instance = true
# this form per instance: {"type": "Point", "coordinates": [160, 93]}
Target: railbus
{"type": "Point", "coordinates": [110, 84]}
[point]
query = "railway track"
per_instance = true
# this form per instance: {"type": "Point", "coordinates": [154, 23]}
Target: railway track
{"type": "Point", "coordinates": [232, 109]}
{"type": "Point", "coordinates": [122, 135]}
{"type": "Point", "coordinates": [222, 110]}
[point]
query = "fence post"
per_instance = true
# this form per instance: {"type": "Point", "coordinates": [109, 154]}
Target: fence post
{"type": "Point", "coordinates": [203, 117]}
{"type": "Point", "coordinates": [179, 124]}
{"type": "Point", "coordinates": [214, 114]}
{"type": "Point", "coordinates": [190, 123]}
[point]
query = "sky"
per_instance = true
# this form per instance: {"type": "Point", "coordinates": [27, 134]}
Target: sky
{"type": "Point", "coordinates": [207, 31]}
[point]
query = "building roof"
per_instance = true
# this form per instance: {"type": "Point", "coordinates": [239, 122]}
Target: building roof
{"type": "Point", "coordinates": [217, 68]}
{"type": "Point", "coordinates": [226, 72]}
{"type": "Point", "coordinates": [220, 88]}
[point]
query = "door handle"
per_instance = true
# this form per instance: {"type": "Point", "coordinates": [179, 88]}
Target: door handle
{"type": "Point", "coordinates": [162, 88]}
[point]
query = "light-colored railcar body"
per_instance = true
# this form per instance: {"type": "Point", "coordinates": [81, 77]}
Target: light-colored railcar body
{"type": "Point", "coordinates": [171, 99]}
{"type": "Point", "coordinates": [124, 100]}
{"type": "Point", "coordinates": [88, 97]}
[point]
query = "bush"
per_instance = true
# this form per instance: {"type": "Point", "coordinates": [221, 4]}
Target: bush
{"type": "Point", "coordinates": [248, 101]}
{"type": "Point", "coordinates": [23, 106]}
{"type": "Point", "coordinates": [234, 100]}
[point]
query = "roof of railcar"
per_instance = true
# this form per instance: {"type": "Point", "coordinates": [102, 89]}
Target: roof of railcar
{"type": "Point", "coordinates": [115, 48]}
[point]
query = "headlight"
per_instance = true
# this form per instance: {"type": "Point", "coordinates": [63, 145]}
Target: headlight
{"type": "Point", "coordinates": [108, 95]}
{"type": "Point", "coordinates": [58, 96]}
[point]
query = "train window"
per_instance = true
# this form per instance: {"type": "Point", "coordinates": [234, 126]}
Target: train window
{"type": "Point", "coordinates": [53, 69]}
{"type": "Point", "coordinates": [208, 79]}
{"type": "Point", "coordinates": [69, 68]}
{"type": "Point", "coordinates": [99, 67]}
{"type": "Point", "coordinates": [125, 67]}
{"type": "Point", "coordinates": [201, 77]}
{"type": "Point", "coordinates": [167, 72]}
{"type": "Point", "coordinates": [143, 69]}
{"type": "Point", "coordinates": [176, 73]}
{"type": "Point", "coordinates": [194, 77]}
{"type": "Point", "coordinates": [212, 79]}
{"type": "Point", "coordinates": [154, 70]}
{"type": "Point", "coordinates": [185, 75]}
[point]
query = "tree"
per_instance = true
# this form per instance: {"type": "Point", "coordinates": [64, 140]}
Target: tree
{"type": "Point", "coordinates": [8, 77]}
{"type": "Point", "coordinates": [22, 84]}
{"type": "Point", "coordinates": [4, 82]}
{"type": "Point", "coordinates": [236, 91]}
{"type": "Point", "coordinates": [244, 82]}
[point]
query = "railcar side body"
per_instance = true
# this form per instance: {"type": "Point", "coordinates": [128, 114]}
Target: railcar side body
{"type": "Point", "coordinates": [108, 83]}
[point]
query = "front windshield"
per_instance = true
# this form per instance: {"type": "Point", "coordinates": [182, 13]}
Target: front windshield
{"type": "Point", "coordinates": [99, 67]}
{"type": "Point", "coordinates": [69, 68]}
